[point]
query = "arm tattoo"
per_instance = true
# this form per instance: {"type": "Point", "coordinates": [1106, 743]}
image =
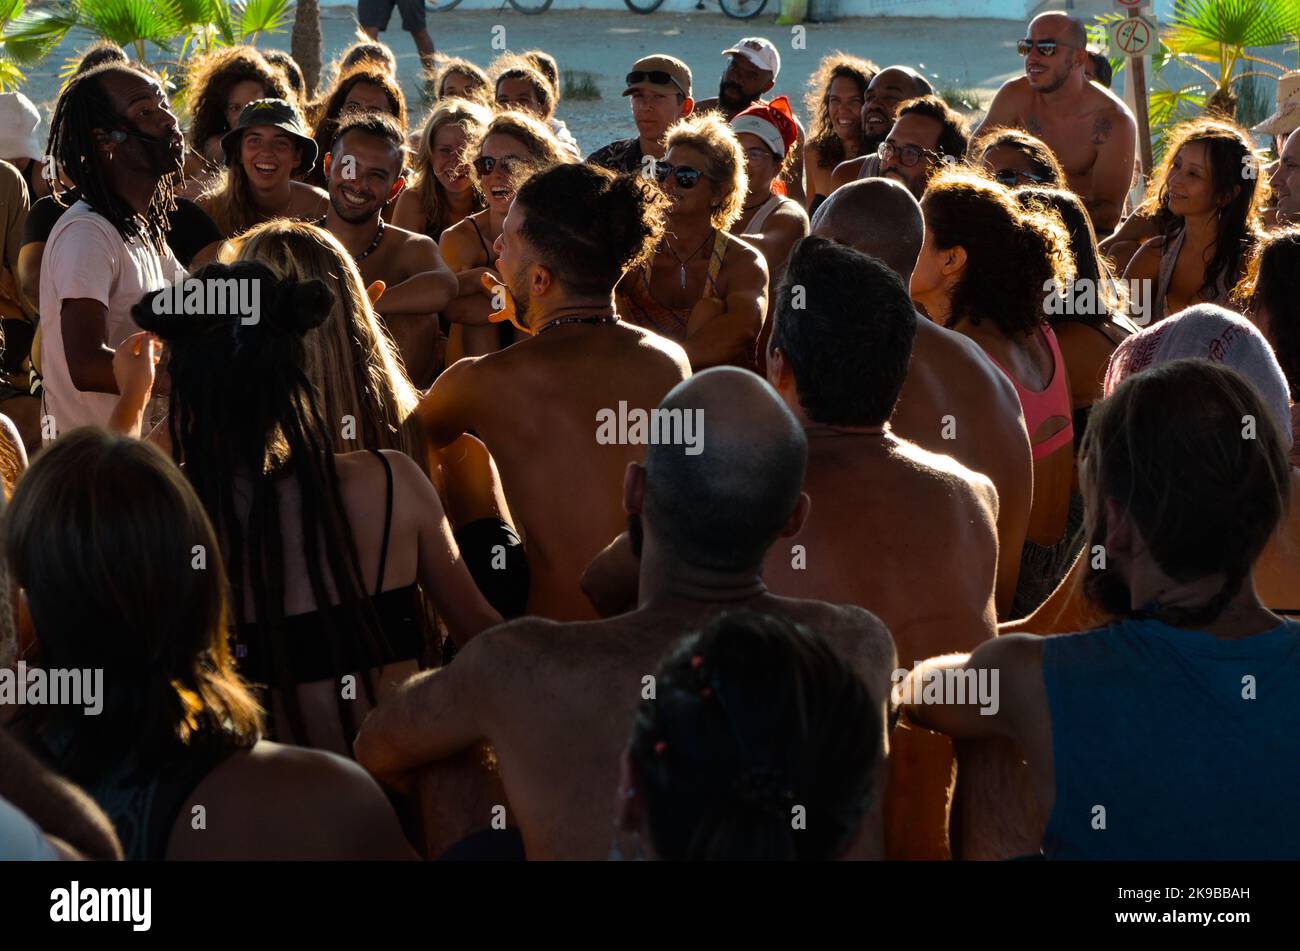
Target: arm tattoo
{"type": "Point", "coordinates": [1100, 131]}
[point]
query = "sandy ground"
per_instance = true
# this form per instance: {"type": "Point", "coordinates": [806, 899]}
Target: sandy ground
{"type": "Point", "coordinates": [975, 53]}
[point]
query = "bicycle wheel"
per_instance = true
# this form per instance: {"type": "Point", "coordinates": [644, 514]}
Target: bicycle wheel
{"type": "Point", "coordinates": [644, 6]}
{"type": "Point", "coordinates": [742, 9]}
{"type": "Point", "coordinates": [442, 6]}
{"type": "Point", "coordinates": [531, 7]}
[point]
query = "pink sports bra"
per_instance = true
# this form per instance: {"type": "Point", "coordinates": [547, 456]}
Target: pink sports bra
{"type": "Point", "coordinates": [1050, 403]}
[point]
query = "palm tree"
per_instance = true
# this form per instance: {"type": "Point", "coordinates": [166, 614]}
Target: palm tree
{"type": "Point", "coordinates": [305, 44]}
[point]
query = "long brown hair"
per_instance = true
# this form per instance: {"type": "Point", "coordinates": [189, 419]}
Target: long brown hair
{"type": "Point", "coordinates": [1272, 285]}
{"type": "Point", "coordinates": [324, 113]}
{"type": "Point", "coordinates": [353, 366]}
{"type": "Point", "coordinates": [123, 572]}
{"type": "Point", "coordinates": [210, 78]}
{"type": "Point", "coordinates": [1239, 227]}
{"type": "Point", "coordinates": [1013, 255]}
{"type": "Point", "coordinates": [822, 137]}
{"type": "Point", "coordinates": [429, 191]}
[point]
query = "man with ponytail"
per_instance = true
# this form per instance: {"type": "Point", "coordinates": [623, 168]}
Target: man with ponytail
{"type": "Point", "coordinates": [555, 700]}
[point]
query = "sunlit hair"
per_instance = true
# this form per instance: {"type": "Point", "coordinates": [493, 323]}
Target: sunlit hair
{"type": "Point", "coordinates": [954, 132]}
{"type": "Point", "coordinates": [714, 137]}
{"type": "Point", "coordinates": [97, 54]}
{"type": "Point", "coordinates": [211, 77]}
{"type": "Point", "coordinates": [822, 136]}
{"type": "Point", "coordinates": [365, 51]}
{"type": "Point", "coordinates": [1167, 447]}
{"type": "Point", "coordinates": [1234, 171]}
{"type": "Point", "coordinates": [755, 715]}
{"type": "Point", "coordinates": [510, 66]}
{"type": "Point", "coordinates": [1041, 158]}
{"type": "Point", "coordinates": [328, 109]}
{"type": "Point", "coordinates": [292, 73]}
{"type": "Point", "coordinates": [1272, 287]}
{"type": "Point", "coordinates": [429, 191]}
{"type": "Point", "coordinates": [543, 148]}
{"type": "Point", "coordinates": [1013, 254]}
{"type": "Point", "coordinates": [1089, 263]}
{"type": "Point", "coordinates": [480, 84]}
{"type": "Point", "coordinates": [353, 366]}
{"type": "Point", "coordinates": [102, 534]}
{"type": "Point", "coordinates": [545, 64]}
{"type": "Point", "coordinates": [229, 199]}
{"type": "Point", "coordinates": [242, 405]}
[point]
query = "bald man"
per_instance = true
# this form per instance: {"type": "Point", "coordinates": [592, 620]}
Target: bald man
{"type": "Point", "coordinates": [890, 88]}
{"type": "Point", "coordinates": [839, 361]}
{"type": "Point", "coordinates": [954, 400]}
{"type": "Point", "coordinates": [556, 701]}
{"type": "Point", "coordinates": [1089, 128]}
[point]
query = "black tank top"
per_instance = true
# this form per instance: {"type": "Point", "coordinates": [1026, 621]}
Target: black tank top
{"type": "Point", "coordinates": [402, 624]}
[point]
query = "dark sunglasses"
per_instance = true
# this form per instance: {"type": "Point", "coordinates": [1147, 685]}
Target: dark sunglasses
{"type": "Point", "coordinates": [908, 155]}
{"type": "Point", "coordinates": [686, 176]}
{"type": "Point", "coordinates": [656, 76]}
{"type": "Point", "coordinates": [484, 164]}
{"type": "Point", "coordinates": [1044, 47]}
{"type": "Point", "coordinates": [1011, 178]}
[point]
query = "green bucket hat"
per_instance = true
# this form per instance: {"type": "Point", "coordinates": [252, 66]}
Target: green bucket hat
{"type": "Point", "coordinates": [278, 114]}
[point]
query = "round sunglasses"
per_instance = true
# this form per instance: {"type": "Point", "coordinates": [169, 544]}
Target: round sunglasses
{"type": "Point", "coordinates": [908, 155]}
{"type": "Point", "coordinates": [686, 176]}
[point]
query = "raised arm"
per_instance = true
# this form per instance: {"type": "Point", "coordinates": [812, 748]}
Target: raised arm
{"type": "Point", "coordinates": [432, 286]}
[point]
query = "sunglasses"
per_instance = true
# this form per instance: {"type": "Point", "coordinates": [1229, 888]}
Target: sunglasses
{"type": "Point", "coordinates": [484, 164]}
{"type": "Point", "coordinates": [656, 76]}
{"type": "Point", "coordinates": [1011, 178]}
{"type": "Point", "coordinates": [1044, 47]}
{"type": "Point", "coordinates": [686, 176]}
{"type": "Point", "coordinates": [908, 155]}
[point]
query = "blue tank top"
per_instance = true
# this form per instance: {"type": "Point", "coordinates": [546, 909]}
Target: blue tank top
{"type": "Point", "coordinates": [1154, 724]}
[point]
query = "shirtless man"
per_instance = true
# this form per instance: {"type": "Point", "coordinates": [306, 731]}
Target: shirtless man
{"type": "Point", "coordinates": [1089, 128]}
{"type": "Point", "coordinates": [890, 88]}
{"type": "Point", "coordinates": [556, 701]}
{"type": "Point", "coordinates": [949, 376]}
{"type": "Point", "coordinates": [538, 404]}
{"type": "Point", "coordinates": [364, 172]}
{"type": "Point", "coordinates": [703, 287]}
{"type": "Point", "coordinates": [839, 362]}
{"type": "Point", "coordinates": [751, 71]}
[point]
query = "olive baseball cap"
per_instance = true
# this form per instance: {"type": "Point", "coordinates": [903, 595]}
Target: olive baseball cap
{"type": "Point", "coordinates": [278, 114]}
{"type": "Point", "coordinates": [659, 73]}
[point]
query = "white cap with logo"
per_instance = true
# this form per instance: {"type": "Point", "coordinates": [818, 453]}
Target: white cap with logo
{"type": "Point", "coordinates": [758, 51]}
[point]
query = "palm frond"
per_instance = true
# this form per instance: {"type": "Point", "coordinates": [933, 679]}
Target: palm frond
{"type": "Point", "coordinates": [33, 34]}
{"type": "Point", "coordinates": [129, 22]}
{"type": "Point", "coordinates": [11, 76]}
{"type": "Point", "coordinates": [253, 17]}
{"type": "Point", "coordinates": [1204, 28]}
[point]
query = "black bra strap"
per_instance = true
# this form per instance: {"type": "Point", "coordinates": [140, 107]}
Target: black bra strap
{"type": "Point", "coordinates": [388, 521]}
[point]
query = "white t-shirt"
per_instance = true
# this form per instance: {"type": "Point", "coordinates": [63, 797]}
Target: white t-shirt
{"type": "Point", "coordinates": [85, 257]}
{"type": "Point", "coordinates": [21, 840]}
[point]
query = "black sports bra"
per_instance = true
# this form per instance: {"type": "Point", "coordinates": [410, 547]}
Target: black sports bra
{"type": "Point", "coordinates": [402, 623]}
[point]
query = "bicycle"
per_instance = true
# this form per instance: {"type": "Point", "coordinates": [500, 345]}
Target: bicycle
{"type": "Point", "coordinates": [528, 7]}
{"type": "Point", "coordinates": [736, 9]}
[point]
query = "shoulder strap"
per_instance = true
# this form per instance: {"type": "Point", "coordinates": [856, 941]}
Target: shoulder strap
{"type": "Point", "coordinates": [715, 263]}
{"type": "Point", "coordinates": [388, 521]}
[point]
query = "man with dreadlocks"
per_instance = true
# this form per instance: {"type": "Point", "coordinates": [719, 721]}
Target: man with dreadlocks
{"type": "Point", "coordinates": [115, 137]}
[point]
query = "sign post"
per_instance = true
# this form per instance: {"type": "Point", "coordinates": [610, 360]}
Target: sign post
{"type": "Point", "coordinates": [1133, 38]}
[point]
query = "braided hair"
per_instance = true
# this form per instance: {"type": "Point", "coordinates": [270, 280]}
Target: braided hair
{"type": "Point", "coordinates": [83, 107]}
{"type": "Point", "coordinates": [241, 404]}
{"type": "Point", "coordinates": [755, 716]}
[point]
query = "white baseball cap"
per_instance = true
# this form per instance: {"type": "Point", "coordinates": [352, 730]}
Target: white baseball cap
{"type": "Point", "coordinates": [18, 122]}
{"type": "Point", "coordinates": [759, 52]}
